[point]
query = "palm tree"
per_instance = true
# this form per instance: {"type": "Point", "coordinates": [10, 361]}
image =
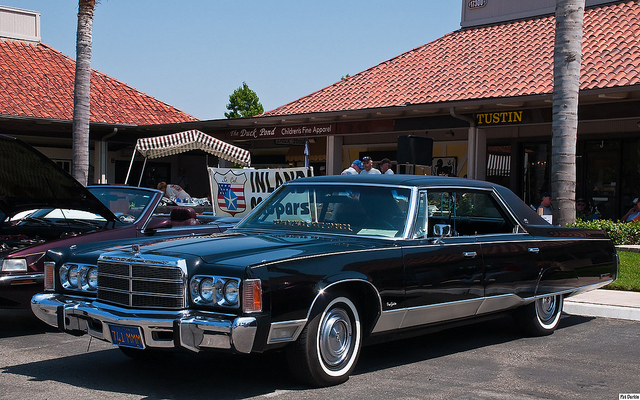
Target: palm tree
{"type": "Point", "coordinates": [82, 91]}
{"type": "Point", "coordinates": [566, 74]}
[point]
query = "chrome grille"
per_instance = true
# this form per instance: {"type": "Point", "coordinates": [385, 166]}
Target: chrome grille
{"type": "Point", "coordinates": [139, 284]}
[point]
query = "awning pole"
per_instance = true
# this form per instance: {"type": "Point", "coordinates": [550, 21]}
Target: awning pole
{"type": "Point", "coordinates": [130, 165]}
{"type": "Point", "coordinates": [142, 172]}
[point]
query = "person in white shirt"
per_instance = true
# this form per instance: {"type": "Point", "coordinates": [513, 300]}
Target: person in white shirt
{"type": "Point", "coordinates": [368, 167]}
{"type": "Point", "coordinates": [173, 191]}
{"type": "Point", "coordinates": [354, 169]}
{"type": "Point", "coordinates": [385, 167]}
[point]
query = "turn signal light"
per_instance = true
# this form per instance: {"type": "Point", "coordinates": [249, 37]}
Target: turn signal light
{"type": "Point", "coordinates": [252, 295]}
{"type": "Point", "coordinates": [48, 275]}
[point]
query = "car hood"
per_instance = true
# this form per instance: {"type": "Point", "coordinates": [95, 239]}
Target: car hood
{"type": "Point", "coordinates": [29, 180]}
{"type": "Point", "coordinates": [242, 249]}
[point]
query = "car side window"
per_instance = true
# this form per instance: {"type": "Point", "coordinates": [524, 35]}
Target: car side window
{"type": "Point", "coordinates": [467, 212]}
{"type": "Point", "coordinates": [421, 229]}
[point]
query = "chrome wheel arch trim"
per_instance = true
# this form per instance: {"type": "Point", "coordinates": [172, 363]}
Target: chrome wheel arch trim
{"type": "Point", "coordinates": [277, 330]}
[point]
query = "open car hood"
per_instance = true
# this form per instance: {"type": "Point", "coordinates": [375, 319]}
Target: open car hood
{"type": "Point", "coordinates": [29, 180]}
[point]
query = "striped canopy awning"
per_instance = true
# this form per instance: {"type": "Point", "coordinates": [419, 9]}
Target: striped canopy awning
{"type": "Point", "coordinates": [162, 146]}
{"type": "Point", "coordinates": [498, 165]}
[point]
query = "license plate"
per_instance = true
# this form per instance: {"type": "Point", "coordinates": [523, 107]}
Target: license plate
{"type": "Point", "coordinates": [127, 336]}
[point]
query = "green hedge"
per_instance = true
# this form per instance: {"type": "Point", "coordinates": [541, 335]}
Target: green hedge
{"type": "Point", "coordinates": [619, 232]}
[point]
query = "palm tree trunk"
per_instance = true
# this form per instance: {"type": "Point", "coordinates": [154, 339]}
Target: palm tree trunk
{"type": "Point", "coordinates": [82, 91]}
{"type": "Point", "coordinates": [566, 73]}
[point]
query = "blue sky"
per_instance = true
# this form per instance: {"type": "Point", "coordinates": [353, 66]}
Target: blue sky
{"type": "Point", "coordinates": [193, 54]}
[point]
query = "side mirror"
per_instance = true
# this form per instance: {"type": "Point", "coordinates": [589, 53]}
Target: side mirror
{"type": "Point", "coordinates": [441, 230]}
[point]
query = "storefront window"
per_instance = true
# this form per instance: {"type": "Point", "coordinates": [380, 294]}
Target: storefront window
{"type": "Point", "coordinates": [602, 173]}
{"type": "Point", "coordinates": [630, 176]}
{"type": "Point", "coordinates": [537, 162]}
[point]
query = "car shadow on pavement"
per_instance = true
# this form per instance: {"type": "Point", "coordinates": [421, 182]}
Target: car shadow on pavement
{"type": "Point", "coordinates": [15, 323]}
{"type": "Point", "coordinates": [447, 342]}
{"type": "Point", "coordinates": [228, 376]}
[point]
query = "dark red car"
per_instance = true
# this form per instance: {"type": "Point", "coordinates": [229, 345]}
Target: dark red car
{"type": "Point", "coordinates": [43, 207]}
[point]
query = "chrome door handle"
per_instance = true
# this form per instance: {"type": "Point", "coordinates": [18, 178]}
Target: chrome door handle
{"type": "Point", "coordinates": [533, 250]}
{"type": "Point", "coordinates": [470, 254]}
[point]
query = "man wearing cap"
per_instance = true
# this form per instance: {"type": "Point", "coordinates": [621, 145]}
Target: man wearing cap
{"type": "Point", "coordinates": [354, 169]}
{"type": "Point", "coordinates": [385, 167]}
{"type": "Point", "coordinates": [634, 213]}
{"type": "Point", "coordinates": [368, 167]}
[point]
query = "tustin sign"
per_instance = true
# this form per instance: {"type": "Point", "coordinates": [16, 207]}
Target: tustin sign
{"type": "Point", "coordinates": [281, 132]}
{"type": "Point", "coordinates": [499, 118]}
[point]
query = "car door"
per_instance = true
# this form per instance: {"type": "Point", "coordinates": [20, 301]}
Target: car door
{"type": "Point", "coordinates": [512, 258]}
{"type": "Point", "coordinates": [443, 273]}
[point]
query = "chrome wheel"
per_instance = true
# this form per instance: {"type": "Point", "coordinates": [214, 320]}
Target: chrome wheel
{"type": "Point", "coordinates": [541, 317]}
{"type": "Point", "coordinates": [335, 337]}
{"type": "Point", "coordinates": [546, 309]}
{"type": "Point", "coordinates": [327, 349]}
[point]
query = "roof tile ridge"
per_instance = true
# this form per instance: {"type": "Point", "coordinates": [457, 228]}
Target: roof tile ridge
{"type": "Point", "coordinates": [126, 86]}
{"type": "Point", "coordinates": [58, 52]}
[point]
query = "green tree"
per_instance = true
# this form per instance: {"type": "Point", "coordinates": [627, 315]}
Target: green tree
{"type": "Point", "coordinates": [566, 75]}
{"type": "Point", "coordinates": [243, 103]}
{"type": "Point", "coordinates": [82, 92]}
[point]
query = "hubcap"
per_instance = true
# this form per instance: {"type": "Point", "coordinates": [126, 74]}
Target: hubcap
{"type": "Point", "coordinates": [335, 337]}
{"type": "Point", "coordinates": [546, 308]}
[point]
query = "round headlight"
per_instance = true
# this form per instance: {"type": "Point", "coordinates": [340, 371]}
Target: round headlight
{"type": "Point", "coordinates": [73, 276]}
{"type": "Point", "coordinates": [92, 278]}
{"type": "Point", "coordinates": [64, 275]}
{"type": "Point", "coordinates": [207, 290]}
{"type": "Point", "coordinates": [231, 291]}
{"type": "Point", "coordinates": [195, 288]}
{"type": "Point", "coordinates": [220, 290]}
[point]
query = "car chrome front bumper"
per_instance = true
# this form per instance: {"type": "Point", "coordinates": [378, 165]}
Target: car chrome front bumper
{"type": "Point", "coordinates": [192, 330]}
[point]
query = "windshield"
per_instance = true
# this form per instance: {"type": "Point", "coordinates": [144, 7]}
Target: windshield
{"type": "Point", "coordinates": [128, 204]}
{"type": "Point", "coordinates": [343, 209]}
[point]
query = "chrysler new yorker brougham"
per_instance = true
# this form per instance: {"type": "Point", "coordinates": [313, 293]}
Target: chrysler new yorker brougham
{"type": "Point", "coordinates": [42, 206]}
{"type": "Point", "coordinates": [327, 264]}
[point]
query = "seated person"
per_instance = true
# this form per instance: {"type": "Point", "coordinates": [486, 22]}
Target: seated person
{"type": "Point", "coordinates": [634, 213]}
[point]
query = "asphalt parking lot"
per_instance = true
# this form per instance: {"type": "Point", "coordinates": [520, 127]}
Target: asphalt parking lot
{"type": "Point", "coordinates": [586, 358]}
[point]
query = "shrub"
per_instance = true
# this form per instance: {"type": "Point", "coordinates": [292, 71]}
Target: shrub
{"type": "Point", "coordinates": [619, 232]}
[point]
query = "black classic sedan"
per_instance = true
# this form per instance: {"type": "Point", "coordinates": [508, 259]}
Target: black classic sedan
{"type": "Point", "coordinates": [327, 264]}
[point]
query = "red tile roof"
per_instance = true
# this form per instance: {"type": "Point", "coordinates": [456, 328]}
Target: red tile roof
{"type": "Point", "coordinates": [506, 60]}
{"type": "Point", "coordinates": [36, 81]}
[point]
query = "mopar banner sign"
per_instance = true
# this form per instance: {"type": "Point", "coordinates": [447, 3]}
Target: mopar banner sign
{"type": "Point", "coordinates": [234, 191]}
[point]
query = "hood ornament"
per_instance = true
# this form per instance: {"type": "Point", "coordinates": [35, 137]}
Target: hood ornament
{"type": "Point", "coordinates": [136, 250]}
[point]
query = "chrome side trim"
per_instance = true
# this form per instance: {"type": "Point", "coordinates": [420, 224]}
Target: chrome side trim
{"type": "Point", "coordinates": [501, 302]}
{"type": "Point", "coordinates": [582, 289]}
{"type": "Point", "coordinates": [390, 320]}
{"type": "Point", "coordinates": [440, 312]}
{"type": "Point", "coordinates": [423, 315]}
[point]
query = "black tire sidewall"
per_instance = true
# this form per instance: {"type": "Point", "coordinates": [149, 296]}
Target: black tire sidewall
{"type": "Point", "coordinates": [304, 355]}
